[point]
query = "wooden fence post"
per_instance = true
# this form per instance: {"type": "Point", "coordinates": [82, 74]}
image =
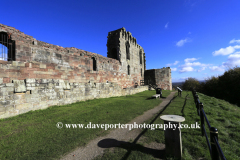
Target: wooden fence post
{"type": "Point", "coordinates": [202, 118]}
{"type": "Point", "coordinates": [213, 134]}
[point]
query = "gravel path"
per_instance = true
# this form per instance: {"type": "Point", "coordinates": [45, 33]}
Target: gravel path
{"type": "Point", "coordinates": [118, 136]}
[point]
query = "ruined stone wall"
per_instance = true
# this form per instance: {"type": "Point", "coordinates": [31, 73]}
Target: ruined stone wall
{"type": "Point", "coordinates": [22, 96]}
{"type": "Point", "coordinates": [55, 62]}
{"type": "Point", "coordinates": [163, 78]}
{"type": "Point", "coordinates": [117, 44]}
{"type": "Point", "coordinates": [149, 77]}
{"type": "Point", "coordinates": [160, 77]}
{"type": "Point", "coordinates": [40, 75]}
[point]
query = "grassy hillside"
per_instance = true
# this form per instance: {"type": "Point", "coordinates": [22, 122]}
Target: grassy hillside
{"type": "Point", "coordinates": [221, 114]}
{"type": "Point", "coordinates": [34, 135]}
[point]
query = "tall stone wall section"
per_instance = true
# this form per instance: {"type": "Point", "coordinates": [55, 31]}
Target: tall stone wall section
{"type": "Point", "coordinates": [163, 78]}
{"type": "Point", "coordinates": [149, 77]}
{"type": "Point", "coordinates": [117, 44]}
{"type": "Point", "coordinates": [160, 77]}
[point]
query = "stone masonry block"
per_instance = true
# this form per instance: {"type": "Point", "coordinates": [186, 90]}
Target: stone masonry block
{"type": "Point", "coordinates": [9, 89]}
{"type": "Point", "coordinates": [1, 80]}
{"type": "Point", "coordinates": [61, 84]}
{"type": "Point", "coordinates": [31, 88]}
{"type": "Point", "coordinates": [9, 85]}
{"type": "Point", "coordinates": [19, 86]}
{"type": "Point", "coordinates": [75, 84]}
{"type": "Point", "coordinates": [55, 81]}
{"type": "Point", "coordinates": [23, 106]}
{"type": "Point", "coordinates": [16, 64]}
{"type": "Point", "coordinates": [44, 81]}
{"type": "Point", "coordinates": [2, 109]}
{"type": "Point", "coordinates": [64, 84]}
{"type": "Point", "coordinates": [30, 80]}
{"type": "Point", "coordinates": [50, 85]}
{"type": "Point", "coordinates": [67, 85]}
{"type": "Point", "coordinates": [42, 65]}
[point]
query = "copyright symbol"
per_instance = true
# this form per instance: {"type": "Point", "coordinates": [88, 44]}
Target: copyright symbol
{"type": "Point", "coordinates": [59, 125]}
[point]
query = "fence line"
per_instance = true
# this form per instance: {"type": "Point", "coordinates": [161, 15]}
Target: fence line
{"type": "Point", "coordinates": [214, 148]}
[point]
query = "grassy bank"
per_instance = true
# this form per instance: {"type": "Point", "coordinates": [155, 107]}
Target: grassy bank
{"type": "Point", "coordinates": [221, 114]}
{"type": "Point", "coordinates": [34, 135]}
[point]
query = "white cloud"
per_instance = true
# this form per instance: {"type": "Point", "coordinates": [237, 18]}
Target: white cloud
{"type": "Point", "coordinates": [235, 41]}
{"type": "Point", "coordinates": [226, 51]}
{"type": "Point", "coordinates": [189, 60]}
{"type": "Point", "coordinates": [186, 69]}
{"type": "Point", "coordinates": [188, 66]}
{"type": "Point", "coordinates": [233, 60]}
{"type": "Point", "coordinates": [189, 33]}
{"type": "Point", "coordinates": [176, 62]}
{"type": "Point", "coordinates": [173, 69]}
{"type": "Point", "coordinates": [218, 68]}
{"type": "Point", "coordinates": [166, 25]}
{"type": "Point", "coordinates": [182, 42]}
{"type": "Point", "coordinates": [201, 69]}
{"type": "Point", "coordinates": [170, 64]}
{"type": "Point", "coordinates": [236, 55]}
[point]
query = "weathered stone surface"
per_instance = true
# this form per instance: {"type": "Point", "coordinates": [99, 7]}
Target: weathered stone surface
{"type": "Point", "coordinates": [67, 71]}
{"type": "Point", "coordinates": [19, 86]}
{"type": "Point", "coordinates": [9, 89]}
{"type": "Point", "coordinates": [23, 106]}
{"type": "Point", "coordinates": [9, 85]}
{"type": "Point", "coordinates": [1, 80]}
{"type": "Point", "coordinates": [159, 77]}
{"type": "Point", "coordinates": [2, 109]}
{"type": "Point", "coordinates": [30, 80]}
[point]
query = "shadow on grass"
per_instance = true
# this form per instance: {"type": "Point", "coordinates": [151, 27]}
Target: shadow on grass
{"type": "Point", "coordinates": [133, 146]}
{"type": "Point", "coordinates": [156, 98]}
{"type": "Point", "coordinates": [109, 143]}
{"type": "Point", "coordinates": [184, 105]}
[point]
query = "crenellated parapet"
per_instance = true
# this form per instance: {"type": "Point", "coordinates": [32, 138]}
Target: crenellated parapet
{"type": "Point", "coordinates": [123, 47]}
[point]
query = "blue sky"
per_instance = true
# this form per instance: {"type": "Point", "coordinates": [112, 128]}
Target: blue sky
{"type": "Point", "coordinates": [196, 38]}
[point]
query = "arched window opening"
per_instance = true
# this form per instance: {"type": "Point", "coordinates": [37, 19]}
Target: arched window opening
{"type": "Point", "coordinates": [94, 64]}
{"type": "Point", "coordinates": [114, 53]}
{"type": "Point", "coordinates": [7, 47]}
{"type": "Point", "coordinates": [140, 56]}
{"type": "Point", "coordinates": [3, 53]}
{"type": "Point", "coordinates": [127, 50]}
{"type": "Point", "coordinates": [128, 67]}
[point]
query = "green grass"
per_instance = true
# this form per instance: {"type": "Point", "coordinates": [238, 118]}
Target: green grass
{"type": "Point", "coordinates": [34, 135]}
{"type": "Point", "coordinates": [221, 114]}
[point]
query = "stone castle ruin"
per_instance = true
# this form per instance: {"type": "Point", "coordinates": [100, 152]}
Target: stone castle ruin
{"type": "Point", "coordinates": [35, 75]}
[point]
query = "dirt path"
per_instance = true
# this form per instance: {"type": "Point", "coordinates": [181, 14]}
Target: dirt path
{"type": "Point", "coordinates": [117, 136]}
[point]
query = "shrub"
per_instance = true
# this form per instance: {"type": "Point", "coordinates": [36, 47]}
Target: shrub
{"type": "Point", "coordinates": [224, 87]}
{"type": "Point", "coordinates": [191, 83]}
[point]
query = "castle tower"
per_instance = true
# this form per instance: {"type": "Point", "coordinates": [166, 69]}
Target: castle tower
{"type": "Point", "coordinates": [121, 45]}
